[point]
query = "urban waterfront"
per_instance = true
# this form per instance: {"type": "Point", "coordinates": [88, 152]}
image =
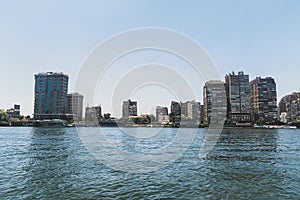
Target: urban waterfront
{"type": "Point", "coordinates": [53, 163]}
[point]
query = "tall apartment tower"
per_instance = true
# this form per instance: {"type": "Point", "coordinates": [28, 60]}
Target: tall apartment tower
{"type": "Point", "coordinates": [129, 108]}
{"type": "Point", "coordinates": [190, 109]}
{"type": "Point", "coordinates": [161, 111]}
{"type": "Point", "coordinates": [263, 99]}
{"type": "Point", "coordinates": [162, 114]}
{"type": "Point", "coordinates": [50, 95]}
{"type": "Point", "coordinates": [214, 102]}
{"type": "Point", "coordinates": [75, 105]}
{"type": "Point", "coordinates": [238, 97]}
{"type": "Point", "coordinates": [289, 108]}
{"type": "Point", "coordinates": [175, 108]}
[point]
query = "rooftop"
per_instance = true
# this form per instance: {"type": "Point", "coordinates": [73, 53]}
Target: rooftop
{"type": "Point", "coordinates": [51, 74]}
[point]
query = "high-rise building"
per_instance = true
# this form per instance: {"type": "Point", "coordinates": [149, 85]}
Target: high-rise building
{"type": "Point", "coordinates": [75, 105]}
{"type": "Point", "coordinates": [263, 99]}
{"type": "Point", "coordinates": [238, 97]}
{"type": "Point", "coordinates": [175, 108]}
{"type": "Point", "coordinates": [214, 102]}
{"type": "Point", "coordinates": [289, 108]}
{"type": "Point", "coordinates": [190, 109]}
{"type": "Point", "coordinates": [161, 111]}
{"type": "Point", "coordinates": [129, 108]}
{"type": "Point", "coordinates": [202, 114]}
{"type": "Point", "coordinates": [193, 110]}
{"type": "Point", "coordinates": [93, 114]}
{"type": "Point", "coordinates": [50, 95]}
{"type": "Point", "coordinates": [184, 108]}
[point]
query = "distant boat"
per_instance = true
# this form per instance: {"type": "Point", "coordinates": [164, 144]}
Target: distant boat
{"type": "Point", "coordinates": [290, 127]}
{"type": "Point", "coordinates": [261, 126]}
{"type": "Point", "coordinates": [4, 123]}
{"type": "Point", "coordinates": [275, 127]}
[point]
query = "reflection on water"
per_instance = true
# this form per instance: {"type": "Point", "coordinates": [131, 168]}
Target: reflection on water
{"type": "Point", "coordinates": [236, 165]}
{"type": "Point", "coordinates": [48, 153]}
{"type": "Point", "coordinates": [37, 163]}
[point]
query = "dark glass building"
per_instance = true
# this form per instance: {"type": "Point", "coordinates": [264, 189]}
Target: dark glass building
{"type": "Point", "coordinates": [175, 108]}
{"type": "Point", "coordinates": [50, 95]}
{"type": "Point", "coordinates": [238, 97]}
{"type": "Point", "coordinates": [214, 102]}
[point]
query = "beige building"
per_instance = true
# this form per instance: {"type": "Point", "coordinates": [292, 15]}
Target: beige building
{"type": "Point", "coordinates": [75, 105]}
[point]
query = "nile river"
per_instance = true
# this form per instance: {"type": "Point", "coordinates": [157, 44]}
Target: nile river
{"type": "Point", "coordinates": [53, 163]}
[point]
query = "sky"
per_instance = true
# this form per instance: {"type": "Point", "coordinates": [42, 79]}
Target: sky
{"type": "Point", "coordinates": [259, 37]}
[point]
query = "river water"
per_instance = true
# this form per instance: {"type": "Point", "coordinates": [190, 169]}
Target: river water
{"type": "Point", "coordinates": [54, 163]}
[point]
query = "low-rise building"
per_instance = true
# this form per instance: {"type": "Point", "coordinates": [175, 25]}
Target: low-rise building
{"type": "Point", "coordinates": [13, 112]}
{"type": "Point", "coordinates": [163, 119]}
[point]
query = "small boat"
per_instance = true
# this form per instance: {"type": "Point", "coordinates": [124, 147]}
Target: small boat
{"type": "Point", "coordinates": [261, 126]}
{"type": "Point", "coordinates": [275, 127]}
{"type": "Point", "coordinates": [290, 127]}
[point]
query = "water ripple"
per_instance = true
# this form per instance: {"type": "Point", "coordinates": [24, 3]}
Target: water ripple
{"type": "Point", "coordinates": [38, 163]}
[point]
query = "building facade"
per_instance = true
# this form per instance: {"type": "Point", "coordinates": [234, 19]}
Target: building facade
{"type": "Point", "coordinates": [13, 112]}
{"type": "Point", "coordinates": [238, 97]}
{"type": "Point", "coordinates": [175, 108]}
{"type": "Point", "coordinates": [50, 95]}
{"type": "Point", "coordinates": [190, 109]}
{"type": "Point", "coordinates": [161, 111]}
{"type": "Point", "coordinates": [214, 102]}
{"type": "Point", "coordinates": [129, 108]}
{"type": "Point", "coordinates": [263, 100]}
{"type": "Point", "coordinates": [93, 114]}
{"type": "Point", "coordinates": [75, 105]}
{"type": "Point", "coordinates": [163, 119]}
{"type": "Point", "coordinates": [289, 108]}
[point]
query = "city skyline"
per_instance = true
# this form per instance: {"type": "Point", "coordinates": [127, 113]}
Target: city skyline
{"type": "Point", "coordinates": [236, 100]}
{"type": "Point", "coordinates": [248, 36]}
{"type": "Point", "coordinates": [153, 111]}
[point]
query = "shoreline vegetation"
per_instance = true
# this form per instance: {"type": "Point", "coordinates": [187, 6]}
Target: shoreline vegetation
{"type": "Point", "coordinates": [121, 123]}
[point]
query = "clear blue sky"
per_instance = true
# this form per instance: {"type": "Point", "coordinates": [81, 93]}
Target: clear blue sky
{"type": "Point", "coordinates": [259, 37]}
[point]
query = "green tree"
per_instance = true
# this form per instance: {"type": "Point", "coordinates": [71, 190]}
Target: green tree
{"type": "Point", "coordinates": [172, 117]}
{"type": "Point", "coordinates": [152, 118]}
{"type": "Point", "coordinates": [106, 116]}
{"type": "Point", "coordinates": [147, 119]}
{"type": "Point", "coordinates": [2, 115]}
